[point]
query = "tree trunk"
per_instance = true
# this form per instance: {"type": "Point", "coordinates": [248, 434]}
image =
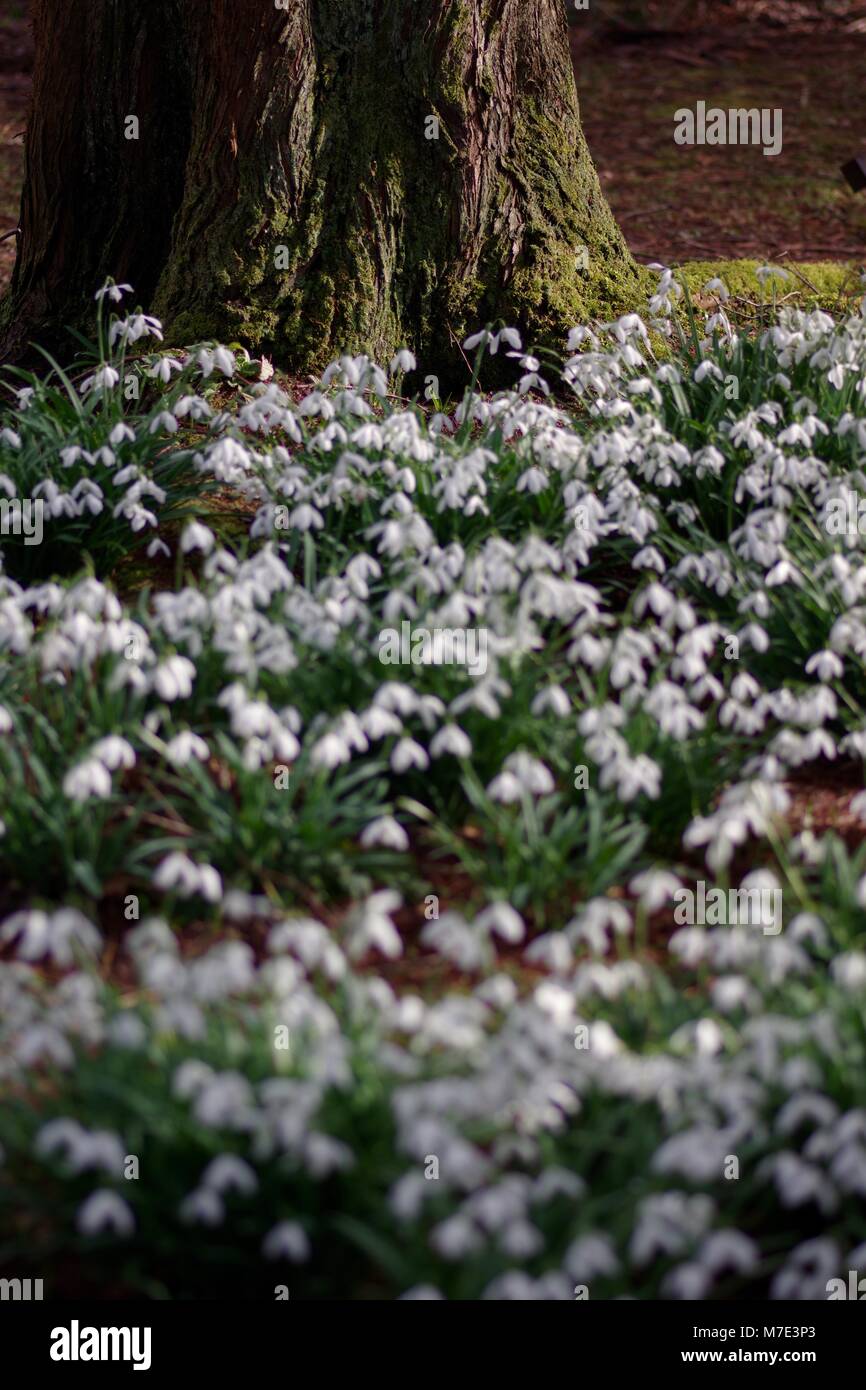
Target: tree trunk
{"type": "Point", "coordinates": [94, 202]}
{"type": "Point", "coordinates": [351, 177]}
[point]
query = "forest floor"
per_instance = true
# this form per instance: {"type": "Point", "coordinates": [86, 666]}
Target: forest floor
{"type": "Point", "coordinates": [674, 203]}
{"type": "Point", "coordinates": [680, 203]}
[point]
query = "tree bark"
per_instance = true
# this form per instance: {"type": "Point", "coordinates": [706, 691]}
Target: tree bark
{"type": "Point", "coordinates": [311, 212]}
{"type": "Point", "coordinates": [94, 202]}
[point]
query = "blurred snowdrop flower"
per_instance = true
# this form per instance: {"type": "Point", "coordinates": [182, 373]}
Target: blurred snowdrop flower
{"type": "Point", "coordinates": [229, 1173]}
{"type": "Point", "coordinates": [387, 832]}
{"type": "Point", "coordinates": [113, 292]}
{"type": "Point", "coordinates": [173, 678]}
{"type": "Point", "coordinates": [61, 936]}
{"type": "Point", "coordinates": [177, 873]}
{"type": "Point", "coordinates": [287, 1241]}
{"type": "Point", "coordinates": [105, 1211]}
{"type": "Point", "coordinates": [196, 537]}
{"type": "Point", "coordinates": [371, 928]}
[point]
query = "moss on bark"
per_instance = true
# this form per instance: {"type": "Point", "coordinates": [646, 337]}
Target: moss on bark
{"type": "Point", "coordinates": [337, 225]}
{"type": "Point", "coordinates": [310, 212]}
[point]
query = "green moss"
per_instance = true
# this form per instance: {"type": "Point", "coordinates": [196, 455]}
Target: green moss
{"type": "Point", "coordinates": [826, 285]}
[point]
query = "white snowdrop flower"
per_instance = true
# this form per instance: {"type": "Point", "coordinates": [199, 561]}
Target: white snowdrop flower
{"type": "Point", "coordinates": [164, 422]}
{"type": "Point", "coordinates": [70, 936]}
{"type": "Point", "coordinates": [849, 969]}
{"type": "Point", "coordinates": [502, 919]}
{"type": "Point", "coordinates": [767, 272]}
{"type": "Point", "coordinates": [512, 1287]}
{"type": "Point", "coordinates": [827, 665]}
{"type": "Point", "coordinates": [520, 1240]}
{"type": "Point", "coordinates": [127, 1030]}
{"type": "Point", "coordinates": [805, 1273]}
{"type": "Point", "coordinates": [229, 1173]}
{"type": "Point", "coordinates": [687, 1281]}
{"type": "Point", "coordinates": [225, 1100]}
{"type": "Point", "coordinates": [456, 1237]}
{"type": "Point", "coordinates": [810, 1108]}
{"type": "Point", "coordinates": [113, 292]}
{"type": "Point", "coordinates": [717, 286]}
{"type": "Point", "coordinates": [379, 723]}
{"type": "Point", "coordinates": [551, 950]}
{"type": "Point", "coordinates": [654, 888]}
{"type": "Point", "coordinates": [403, 361]}
{"type": "Point", "coordinates": [387, 832]}
{"type": "Point", "coordinates": [732, 992]}
{"type": "Point", "coordinates": [421, 1293]}
{"type": "Point", "coordinates": [121, 434]}
{"type": "Point", "coordinates": [603, 1041]}
{"type": "Point", "coordinates": [157, 547]}
{"type": "Point", "coordinates": [104, 1211]}
{"type": "Point", "coordinates": [184, 747]}
{"type": "Point", "coordinates": [372, 928]}
{"type": "Point", "coordinates": [330, 750]}
{"type": "Point", "coordinates": [179, 874]}
{"type": "Point", "coordinates": [407, 754]}
{"type": "Point", "coordinates": [190, 1078]}
{"type": "Point", "coordinates": [88, 779]}
{"type": "Point", "coordinates": [708, 368]}
{"type": "Point", "coordinates": [114, 752]}
{"type": "Point", "coordinates": [552, 698]}
{"type": "Point", "coordinates": [224, 361]}
{"type": "Point", "coordinates": [505, 788]}
{"type": "Point", "coordinates": [5, 720]}
{"type": "Point", "coordinates": [806, 926]}
{"type": "Point", "coordinates": [31, 927]}
{"type": "Point", "coordinates": [451, 739]}
{"type": "Point", "coordinates": [41, 1041]}
{"type": "Point", "coordinates": [173, 678]}
{"type": "Point", "coordinates": [195, 536]}
{"type": "Point", "coordinates": [287, 1241]}
{"type": "Point", "coordinates": [591, 1256]}
{"type": "Point", "coordinates": [324, 1155]}
{"type": "Point", "coordinates": [722, 1251]}
{"type": "Point", "coordinates": [203, 1207]}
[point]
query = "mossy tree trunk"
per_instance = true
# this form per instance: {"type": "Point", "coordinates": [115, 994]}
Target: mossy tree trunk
{"type": "Point", "coordinates": [358, 177]}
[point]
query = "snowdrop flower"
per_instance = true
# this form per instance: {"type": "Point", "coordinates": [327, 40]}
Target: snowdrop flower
{"type": "Point", "coordinates": [502, 919]}
{"type": "Point", "coordinates": [113, 292]}
{"type": "Point", "coordinates": [114, 752]}
{"type": "Point", "coordinates": [407, 754]}
{"type": "Point", "coordinates": [179, 874]}
{"type": "Point", "coordinates": [287, 1241]}
{"type": "Point", "coordinates": [196, 537]}
{"type": "Point", "coordinates": [229, 1173]}
{"type": "Point", "coordinates": [173, 678]}
{"type": "Point", "coordinates": [103, 1211]}
{"type": "Point", "coordinates": [203, 1207]}
{"type": "Point", "coordinates": [184, 747]}
{"type": "Point", "coordinates": [403, 361]}
{"type": "Point", "coordinates": [387, 832]}
{"type": "Point", "coordinates": [766, 272]}
{"type": "Point", "coordinates": [451, 739]}
{"type": "Point", "coordinates": [372, 928]}
{"type": "Point", "coordinates": [88, 779]}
